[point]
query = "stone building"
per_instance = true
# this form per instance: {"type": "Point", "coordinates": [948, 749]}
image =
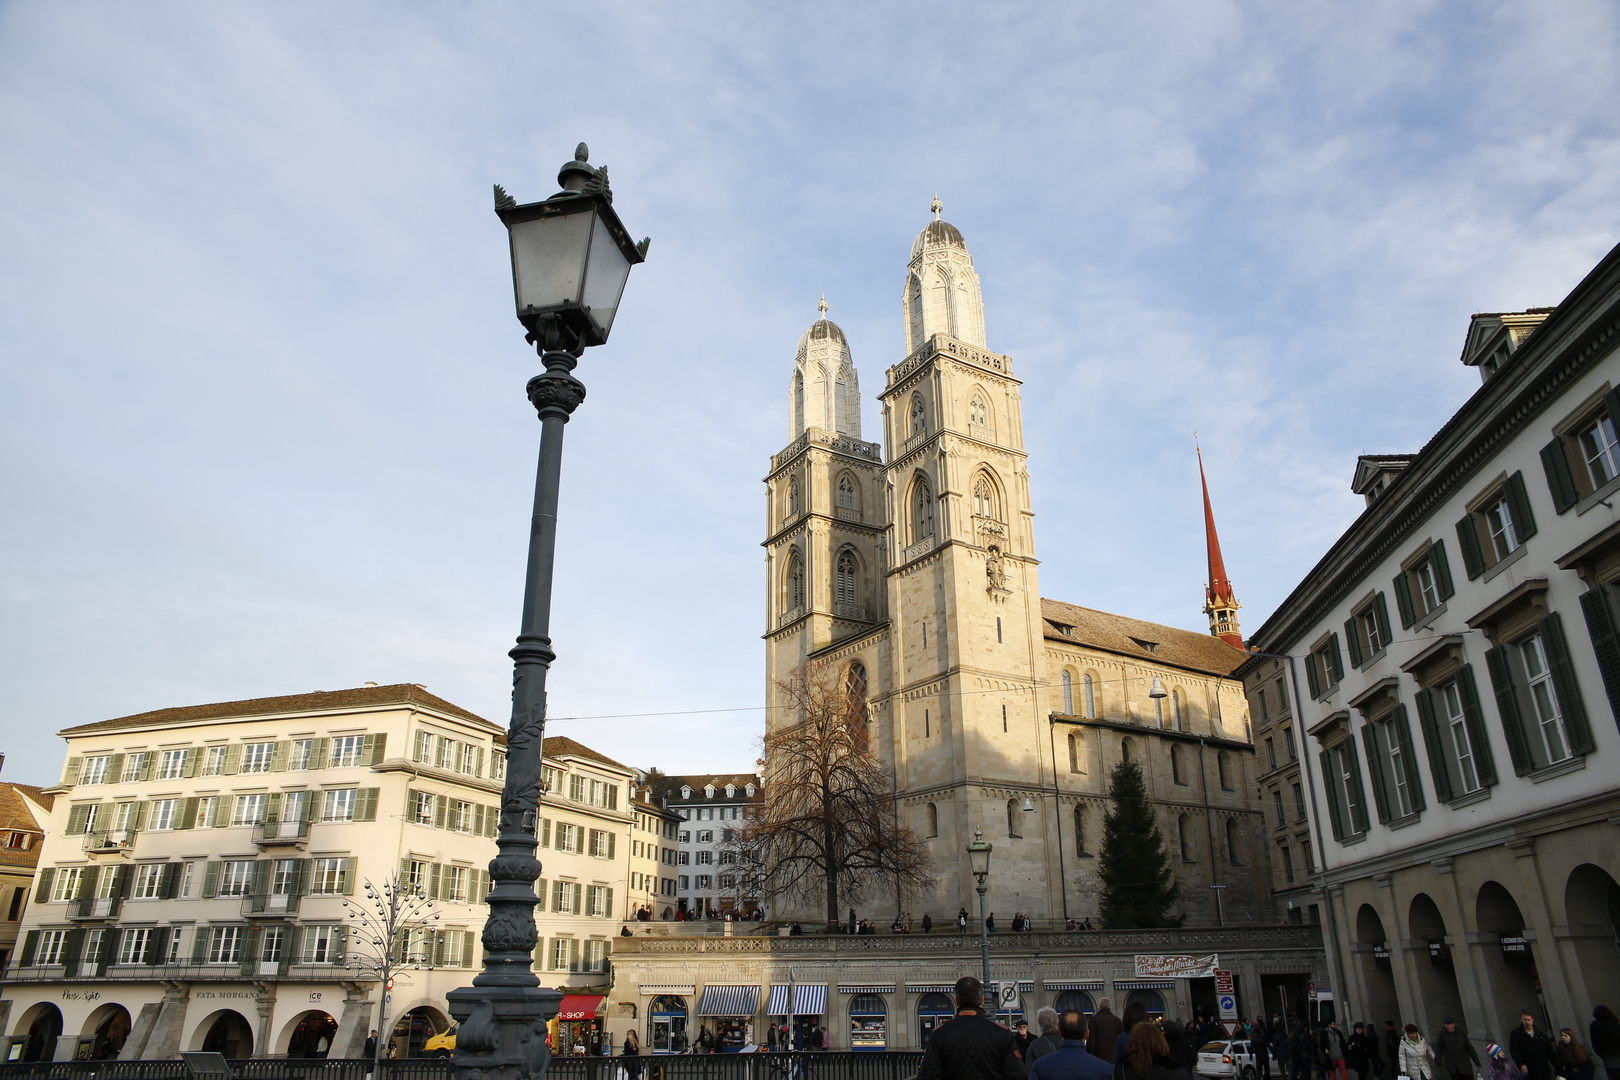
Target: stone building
{"type": "Point", "coordinates": [1455, 674]}
{"type": "Point", "coordinates": [196, 861]}
{"type": "Point", "coordinates": [910, 564]}
{"type": "Point", "coordinates": [709, 809]}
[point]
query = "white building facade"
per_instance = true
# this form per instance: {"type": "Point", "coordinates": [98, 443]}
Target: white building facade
{"type": "Point", "coordinates": [709, 809]}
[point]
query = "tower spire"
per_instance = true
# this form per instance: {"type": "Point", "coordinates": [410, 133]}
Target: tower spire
{"type": "Point", "coordinates": [1220, 602]}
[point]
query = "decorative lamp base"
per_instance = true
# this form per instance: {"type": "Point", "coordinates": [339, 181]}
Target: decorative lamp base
{"type": "Point", "coordinates": [502, 1031]}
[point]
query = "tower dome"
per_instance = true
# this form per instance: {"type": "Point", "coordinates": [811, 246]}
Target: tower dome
{"type": "Point", "coordinates": [826, 392]}
{"type": "Point", "coordinates": [942, 290]}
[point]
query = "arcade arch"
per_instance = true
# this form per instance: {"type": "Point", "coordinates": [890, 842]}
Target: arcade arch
{"type": "Point", "coordinates": [1510, 964]}
{"type": "Point", "coordinates": [301, 1037]}
{"type": "Point", "coordinates": [1592, 911]}
{"type": "Point", "coordinates": [108, 1027]}
{"type": "Point", "coordinates": [39, 1028]}
{"type": "Point", "coordinates": [224, 1031]}
{"type": "Point", "coordinates": [1374, 959]}
{"type": "Point", "coordinates": [1431, 962]}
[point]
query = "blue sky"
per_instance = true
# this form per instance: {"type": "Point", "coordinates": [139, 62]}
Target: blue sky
{"type": "Point", "coordinates": [262, 424]}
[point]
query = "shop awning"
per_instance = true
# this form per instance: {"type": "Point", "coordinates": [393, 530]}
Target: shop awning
{"type": "Point", "coordinates": [1144, 984]}
{"type": "Point", "coordinates": [729, 1001]}
{"type": "Point", "coordinates": [1070, 984]}
{"type": "Point", "coordinates": [809, 999]}
{"type": "Point", "coordinates": [579, 1006]}
{"type": "Point", "coordinates": [866, 988]}
{"type": "Point", "coordinates": [930, 988]}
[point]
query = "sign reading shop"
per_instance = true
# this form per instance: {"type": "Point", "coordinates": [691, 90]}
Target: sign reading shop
{"type": "Point", "coordinates": [1176, 966]}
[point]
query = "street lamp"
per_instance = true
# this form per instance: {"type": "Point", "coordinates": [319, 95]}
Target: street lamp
{"type": "Point", "coordinates": [979, 863]}
{"type": "Point", "coordinates": [570, 258]}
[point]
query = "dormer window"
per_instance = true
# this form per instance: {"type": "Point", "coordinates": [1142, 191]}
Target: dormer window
{"type": "Point", "coordinates": [749, 789]}
{"type": "Point", "coordinates": [708, 791]}
{"type": "Point", "coordinates": [686, 792]}
{"type": "Point", "coordinates": [731, 791]}
{"type": "Point", "coordinates": [1148, 646]}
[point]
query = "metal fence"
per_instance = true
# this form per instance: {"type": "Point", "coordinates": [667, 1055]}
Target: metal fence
{"type": "Point", "coordinates": [829, 1065]}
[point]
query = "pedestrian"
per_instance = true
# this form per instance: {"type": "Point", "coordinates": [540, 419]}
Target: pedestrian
{"type": "Point", "coordinates": [1260, 1044]}
{"type": "Point", "coordinates": [928, 923]}
{"type": "Point", "coordinates": [1071, 1060]}
{"type": "Point", "coordinates": [1047, 1041]}
{"type": "Point", "coordinates": [990, 923]}
{"type": "Point", "coordinates": [852, 920]}
{"type": "Point", "coordinates": [1497, 1065]}
{"type": "Point", "coordinates": [371, 1046]}
{"type": "Point", "coordinates": [1570, 1059]}
{"type": "Point", "coordinates": [1102, 1031]}
{"type": "Point", "coordinates": [961, 921]}
{"type": "Point", "coordinates": [971, 1046]}
{"type": "Point", "coordinates": [1147, 1057]}
{"type": "Point", "coordinates": [1415, 1057]}
{"type": "Point", "coordinates": [1135, 1013]}
{"type": "Point", "coordinates": [1022, 1036]}
{"type": "Point", "coordinates": [1301, 1052]}
{"type": "Point", "coordinates": [631, 1052]}
{"type": "Point", "coordinates": [1183, 1047]}
{"type": "Point", "coordinates": [1530, 1049]}
{"type": "Point", "coordinates": [1331, 1043]}
{"type": "Point", "coordinates": [1453, 1053]}
{"type": "Point", "coordinates": [1375, 1061]}
{"type": "Point", "coordinates": [1355, 1051]}
{"type": "Point", "coordinates": [323, 1045]}
{"type": "Point", "coordinates": [1392, 1046]}
{"type": "Point", "coordinates": [1605, 1034]}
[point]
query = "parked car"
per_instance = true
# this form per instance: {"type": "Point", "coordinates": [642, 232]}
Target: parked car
{"type": "Point", "coordinates": [1229, 1059]}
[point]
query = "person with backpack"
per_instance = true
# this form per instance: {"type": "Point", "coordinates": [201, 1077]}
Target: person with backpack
{"type": "Point", "coordinates": [1048, 1040]}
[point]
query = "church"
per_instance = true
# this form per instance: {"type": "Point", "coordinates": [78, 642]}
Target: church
{"type": "Point", "coordinates": [910, 564]}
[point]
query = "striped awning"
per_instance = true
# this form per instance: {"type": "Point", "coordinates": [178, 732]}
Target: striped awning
{"type": "Point", "coordinates": [809, 999]}
{"type": "Point", "coordinates": [660, 989]}
{"type": "Point", "coordinates": [1144, 984]}
{"type": "Point", "coordinates": [1026, 986]}
{"type": "Point", "coordinates": [864, 988]}
{"type": "Point", "coordinates": [930, 988]}
{"type": "Point", "coordinates": [1062, 984]}
{"type": "Point", "coordinates": [729, 1001]}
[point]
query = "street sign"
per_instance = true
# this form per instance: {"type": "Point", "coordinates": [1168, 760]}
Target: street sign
{"type": "Point", "coordinates": [1223, 981]}
{"type": "Point", "coordinates": [1228, 1004]}
{"type": "Point", "coordinates": [1231, 1028]}
{"type": "Point", "coordinates": [1310, 988]}
{"type": "Point", "coordinates": [1008, 995]}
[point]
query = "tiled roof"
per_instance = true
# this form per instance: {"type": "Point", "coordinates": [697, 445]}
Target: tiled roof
{"type": "Point", "coordinates": [1123, 635]}
{"type": "Point", "coordinates": [562, 746]}
{"type": "Point", "coordinates": [15, 816]}
{"type": "Point", "coordinates": [669, 787]}
{"type": "Point", "coordinates": [315, 701]}
{"type": "Point", "coordinates": [37, 794]}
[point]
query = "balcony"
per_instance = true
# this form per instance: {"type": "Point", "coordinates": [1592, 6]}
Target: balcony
{"type": "Point", "coordinates": [850, 611]}
{"type": "Point", "coordinates": [270, 905]}
{"type": "Point", "coordinates": [109, 841]}
{"type": "Point", "coordinates": [95, 907]}
{"type": "Point", "coordinates": [281, 833]}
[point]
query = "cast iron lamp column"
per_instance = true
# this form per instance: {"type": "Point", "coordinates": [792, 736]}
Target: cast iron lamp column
{"type": "Point", "coordinates": [979, 862]}
{"type": "Point", "coordinates": [570, 259]}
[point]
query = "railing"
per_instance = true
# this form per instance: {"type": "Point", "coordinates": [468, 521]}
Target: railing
{"type": "Point", "coordinates": [270, 833]}
{"type": "Point", "coordinates": [829, 1065]}
{"type": "Point", "coordinates": [850, 611]}
{"type": "Point", "coordinates": [947, 938]}
{"type": "Point", "coordinates": [95, 907]}
{"type": "Point", "coordinates": [791, 615]}
{"type": "Point", "coordinates": [272, 904]}
{"type": "Point", "coordinates": [921, 547]}
{"type": "Point", "coordinates": [846, 513]}
{"type": "Point", "coordinates": [107, 841]}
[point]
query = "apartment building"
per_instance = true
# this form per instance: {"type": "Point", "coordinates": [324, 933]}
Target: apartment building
{"type": "Point", "coordinates": [654, 856]}
{"type": "Point", "coordinates": [1458, 689]}
{"type": "Point", "coordinates": [23, 811]}
{"type": "Point", "coordinates": [196, 863]}
{"type": "Point", "coordinates": [1280, 790]}
{"type": "Point", "coordinates": [710, 808]}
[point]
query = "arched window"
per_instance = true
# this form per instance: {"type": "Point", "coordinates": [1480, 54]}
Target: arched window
{"type": "Point", "coordinates": [1068, 699]}
{"type": "Point", "coordinates": [1127, 746]}
{"type": "Point", "coordinates": [979, 412]}
{"type": "Point", "coordinates": [1184, 833]}
{"type": "Point", "coordinates": [1091, 698]}
{"type": "Point", "coordinates": [1012, 819]}
{"type": "Point", "coordinates": [1074, 1001]}
{"type": "Point", "coordinates": [922, 510]}
{"type": "Point", "coordinates": [793, 496]}
{"type": "Point", "coordinates": [1175, 764]}
{"type": "Point", "coordinates": [1074, 754]}
{"type": "Point", "coordinates": [1177, 711]}
{"type": "Point", "coordinates": [1233, 840]}
{"type": "Point", "coordinates": [795, 582]}
{"type": "Point", "coordinates": [846, 493]}
{"type": "Point", "coordinates": [1223, 769]}
{"type": "Point", "coordinates": [984, 497]}
{"type": "Point", "coordinates": [1158, 711]}
{"type": "Point", "coordinates": [855, 688]}
{"type": "Point", "coordinates": [919, 416]}
{"type": "Point", "coordinates": [846, 590]}
{"type": "Point", "coordinates": [1079, 830]}
{"type": "Point", "coordinates": [798, 402]}
{"type": "Point", "coordinates": [933, 820]}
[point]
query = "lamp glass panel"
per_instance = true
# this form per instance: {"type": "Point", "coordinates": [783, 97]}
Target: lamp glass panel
{"type": "Point", "coordinates": [605, 275]}
{"type": "Point", "coordinates": [979, 858]}
{"type": "Point", "coordinates": [548, 259]}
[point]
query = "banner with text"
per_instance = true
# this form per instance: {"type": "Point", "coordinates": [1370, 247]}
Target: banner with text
{"type": "Point", "coordinates": [1175, 965]}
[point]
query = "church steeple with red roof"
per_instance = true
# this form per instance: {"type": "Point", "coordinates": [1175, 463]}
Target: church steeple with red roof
{"type": "Point", "coordinates": [1220, 602]}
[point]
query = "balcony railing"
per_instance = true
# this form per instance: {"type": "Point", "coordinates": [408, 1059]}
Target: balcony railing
{"type": "Point", "coordinates": [274, 833]}
{"type": "Point", "coordinates": [270, 905]}
{"type": "Point", "coordinates": [109, 841]}
{"type": "Point", "coordinates": [95, 907]}
{"type": "Point", "coordinates": [850, 611]}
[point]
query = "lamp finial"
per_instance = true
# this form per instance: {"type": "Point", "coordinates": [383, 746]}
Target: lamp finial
{"type": "Point", "coordinates": [582, 152]}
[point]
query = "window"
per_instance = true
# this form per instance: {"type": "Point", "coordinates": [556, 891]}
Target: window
{"type": "Point", "coordinates": [551, 779]}
{"type": "Point", "coordinates": [595, 957]}
{"type": "Point", "coordinates": [171, 765]}
{"type": "Point", "coordinates": [1176, 774]}
{"type": "Point", "coordinates": [415, 876]}
{"type": "Point", "coordinates": [453, 884]}
{"type": "Point", "coordinates": [793, 503]}
{"type": "Point", "coordinates": [497, 766]}
{"type": "Point", "coordinates": [1457, 734]}
{"type": "Point", "coordinates": [1394, 770]}
{"type": "Point", "coordinates": [422, 807]}
{"type": "Point", "coordinates": [51, 943]}
{"type": "Point", "coordinates": [984, 498]}
{"type": "Point", "coordinates": [1184, 833]}
{"type": "Point", "coordinates": [601, 844]}
{"type": "Point", "coordinates": [1261, 704]}
{"type": "Point", "coordinates": [256, 757]}
{"type": "Point", "coordinates": [567, 837]}
{"type": "Point", "coordinates": [933, 819]}
{"type": "Point", "coordinates": [565, 897]}
{"type": "Point", "coordinates": [1288, 864]}
{"type": "Point", "coordinates": [978, 412]}
{"type": "Point", "coordinates": [1068, 695]}
{"type": "Point", "coordinates": [561, 949]}
{"type": "Point", "coordinates": [1091, 697]}
{"type": "Point", "coordinates": [685, 837]}
{"type": "Point", "coordinates": [225, 945]}
{"type": "Point", "coordinates": [1600, 451]}
{"type": "Point", "coordinates": [284, 877]}
{"type": "Point", "coordinates": [919, 416]}
{"type": "Point", "coordinates": [1077, 753]}
{"type": "Point", "coordinates": [1277, 805]}
{"type": "Point", "coordinates": [1176, 709]}
{"type": "Point", "coordinates": [1288, 740]}
{"type": "Point", "coordinates": [795, 583]}
{"type": "Point", "coordinates": [1323, 667]}
{"type": "Point", "coordinates": [161, 817]}
{"type": "Point", "coordinates": [1347, 806]}
{"type": "Point", "coordinates": [1546, 718]}
{"type": "Point", "coordinates": [1271, 754]}
{"type": "Point", "coordinates": [326, 876]}
{"type": "Point", "coordinates": [208, 812]}
{"type": "Point", "coordinates": [1080, 830]}
{"type": "Point", "coordinates": [1583, 456]}
{"type": "Point", "coordinates": [235, 877]}
{"type": "Point", "coordinates": [424, 746]}
{"type": "Point", "coordinates": [1423, 584]}
{"type": "Point", "coordinates": [247, 810]}
{"type": "Point", "coordinates": [596, 901]}
{"type": "Point", "coordinates": [134, 765]}
{"type": "Point", "coordinates": [446, 758]}
{"type": "Point", "coordinates": [704, 881]}
{"type": "Point", "coordinates": [846, 578]}
{"type": "Point", "coordinates": [1127, 748]}
{"type": "Point", "coordinates": [685, 881]}
{"type": "Point", "coordinates": [270, 946]}
{"type": "Point", "coordinates": [338, 805]}
{"type": "Point", "coordinates": [298, 757]}
{"type": "Point", "coordinates": [1234, 842]}
{"type": "Point", "coordinates": [148, 877]}
{"type": "Point", "coordinates": [1299, 802]}
{"type": "Point", "coordinates": [1460, 756]}
{"type": "Point", "coordinates": [132, 945]}
{"type": "Point", "coordinates": [461, 816]}
{"type": "Point", "coordinates": [214, 761]}
{"type": "Point", "coordinates": [469, 759]}
{"type": "Point", "coordinates": [1012, 819]}
{"type": "Point", "coordinates": [1223, 769]}
{"type": "Point", "coordinates": [346, 751]}
{"type": "Point", "coordinates": [322, 945]}
{"type": "Point", "coordinates": [1366, 632]}
{"type": "Point", "coordinates": [1498, 522]}
{"type": "Point", "coordinates": [922, 510]}
{"type": "Point", "coordinates": [705, 858]}
{"type": "Point", "coordinates": [846, 493]}
{"type": "Point", "coordinates": [95, 770]}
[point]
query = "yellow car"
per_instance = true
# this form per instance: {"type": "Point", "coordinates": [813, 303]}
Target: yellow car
{"type": "Point", "coordinates": [441, 1045]}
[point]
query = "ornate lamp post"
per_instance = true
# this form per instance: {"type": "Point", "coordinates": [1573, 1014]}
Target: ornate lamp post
{"type": "Point", "coordinates": [570, 258]}
{"type": "Point", "coordinates": [979, 862]}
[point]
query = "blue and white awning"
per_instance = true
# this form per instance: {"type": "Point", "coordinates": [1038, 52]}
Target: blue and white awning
{"type": "Point", "coordinates": [729, 1001]}
{"type": "Point", "coordinates": [930, 988]}
{"type": "Point", "coordinates": [1070, 984]}
{"type": "Point", "coordinates": [1144, 984]}
{"type": "Point", "coordinates": [866, 988]}
{"type": "Point", "coordinates": [809, 999]}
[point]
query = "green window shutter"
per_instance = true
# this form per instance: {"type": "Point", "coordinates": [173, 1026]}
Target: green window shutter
{"type": "Point", "coordinates": [1375, 770]}
{"type": "Point", "coordinates": [250, 950]}
{"type": "Point", "coordinates": [1468, 541]}
{"type": "Point", "coordinates": [478, 765]}
{"type": "Point", "coordinates": [1381, 613]}
{"type": "Point", "coordinates": [72, 946]}
{"type": "Point", "coordinates": [540, 891]}
{"type": "Point", "coordinates": [186, 818]}
{"type": "Point", "coordinates": [1524, 519]}
{"type": "Point", "coordinates": [279, 755]}
{"type": "Point", "coordinates": [47, 878]}
{"type": "Point", "coordinates": [272, 806]}
{"type": "Point", "coordinates": [311, 806]}
{"type": "Point", "coordinates": [610, 902]}
{"type": "Point", "coordinates": [1570, 703]}
{"type": "Point", "coordinates": [317, 753]}
{"type": "Point", "coordinates": [210, 887]}
{"type": "Point", "coordinates": [434, 870]}
{"type": "Point", "coordinates": [541, 954]}
{"type": "Point", "coordinates": [416, 749]}
{"type": "Point", "coordinates": [1353, 641]}
{"type": "Point", "coordinates": [1313, 684]}
{"type": "Point", "coordinates": [365, 804]}
{"type": "Point", "coordinates": [301, 885]}
{"type": "Point", "coordinates": [70, 775]}
{"type": "Point", "coordinates": [1507, 707]}
{"type": "Point", "coordinates": [478, 819]}
{"type": "Point", "coordinates": [260, 885]}
{"type": "Point", "coordinates": [557, 896]}
{"type": "Point", "coordinates": [87, 882]}
{"type": "Point", "coordinates": [169, 884]}
{"type": "Point", "coordinates": [612, 843]}
{"type": "Point", "coordinates": [1605, 643]}
{"type": "Point", "coordinates": [438, 949]}
{"type": "Point", "coordinates": [199, 944]}
{"type": "Point", "coordinates": [149, 765]}
{"type": "Point", "coordinates": [379, 747]}
{"type": "Point", "coordinates": [78, 818]}
{"type": "Point", "coordinates": [573, 954]}
{"type": "Point", "coordinates": [115, 769]}
{"type": "Point", "coordinates": [30, 947]}
{"type": "Point", "coordinates": [1560, 482]}
{"type": "Point", "coordinates": [347, 885]}
{"type": "Point", "coordinates": [233, 759]}
{"type": "Point", "coordinates": [1358, 818]}
{"type": "Point", "coordinates": [1442, 570]}
{"type": "Point", "coordinates": [138, 816]}
{"type": "Point", "coordinates": [157, 945]}
{"type": "Point", "coordinates": [1403, 601]}
{"type": "Point", "coordinates": [1434, 742]}
{"type": "Point", "coordinates": [1335, 658]}
{"type": "Point", "coordinates": [189, 767]}
{"type": "Point", "coordinates": [439, 804]}
{"type": "Point", "coordinates": [1414, 776]}
{"type": "Point", "coordinates": [545, 832]}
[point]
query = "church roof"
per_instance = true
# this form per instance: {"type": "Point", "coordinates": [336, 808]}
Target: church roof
{"type": "Point", "coordinates": [824, 330]}
{"type": "Point", "coordinates": [1133, 637]}
{"type": "Point", "coordinates": [935, 234]}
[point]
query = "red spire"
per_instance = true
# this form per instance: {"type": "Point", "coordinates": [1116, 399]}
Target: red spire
{"type": "Point", "coordinates": [1220, 602]}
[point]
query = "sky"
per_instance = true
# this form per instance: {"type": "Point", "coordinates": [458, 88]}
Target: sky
{"type": "Point", "coordinates": [262, 420]}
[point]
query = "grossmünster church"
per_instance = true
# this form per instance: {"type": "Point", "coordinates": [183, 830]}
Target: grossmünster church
{"type": "Point", "coordinates": [911, 564]}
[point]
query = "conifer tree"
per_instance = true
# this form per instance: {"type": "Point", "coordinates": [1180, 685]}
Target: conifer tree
{"type": "Point", "coordinates": [1137, 889]}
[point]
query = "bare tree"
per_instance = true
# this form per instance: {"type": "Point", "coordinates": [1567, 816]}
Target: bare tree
{"type": "Point", "coordinates": [826, 823]}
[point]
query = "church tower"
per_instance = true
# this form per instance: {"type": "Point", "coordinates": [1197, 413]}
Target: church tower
{"type": "Point", "coordinates": [1220, 602]}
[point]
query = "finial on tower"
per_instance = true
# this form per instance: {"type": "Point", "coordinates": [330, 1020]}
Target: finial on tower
{"type": "Point", "coordinates": [822, 307]}
{"type": "Point", "coordinates": [936, 206]}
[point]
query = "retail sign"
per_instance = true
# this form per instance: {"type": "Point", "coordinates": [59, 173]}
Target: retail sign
{"type": "Point", "coordinates": [1515, 948]}
{"type": "Point", "coordinates": [1175, 965]}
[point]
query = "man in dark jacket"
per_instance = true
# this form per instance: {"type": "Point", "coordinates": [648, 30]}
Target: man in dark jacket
{"type": "Point", "coordinates": [1260, 1043]}
{"type": "Point", "coordinates": [1453, 1053]}
{"type": "Point", "coordinates": [1048, 1040]}
{"type": "Point", "coordinates": [1392, 1046]}
{"type": "Point", "coordinates": [1530, 1050]}
{"type": "Point", "coordinates": [1071, 1061]}
{"type": "Point", "coordinates": [1102, 1032]}
{"type": "Point", "coordinates": [970, 1047]}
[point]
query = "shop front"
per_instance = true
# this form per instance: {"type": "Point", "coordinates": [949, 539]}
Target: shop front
{"type": "Point", "coordinates": [808, 1003]}
{"type": "Point", "coordinates": [726, 1014]}
{"type": "Point", "coordinates": [666, 1018]}
{"type": "Point", "coordinates": [868, 1017]}
{"type": "Point", "coordinates": [1150, 993]}
{"type": "Point", "coordinates": [934, 1007]}
{"type": "Point", "coordinates": [578, 1027]}
{"type": "Point", "coordinates": [1080, 997]}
